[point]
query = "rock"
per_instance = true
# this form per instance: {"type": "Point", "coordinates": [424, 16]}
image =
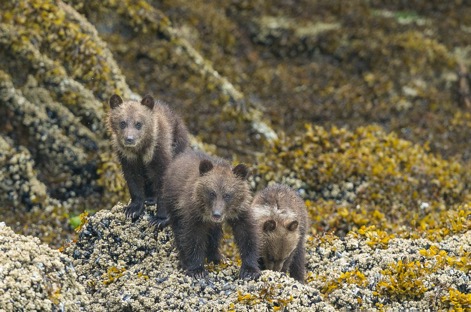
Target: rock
{"type": "Point", "coordinates": [406, 274]}
{"type": "Point", "coordinates": [34, 277]}
{"type": "Point", "coordinates": [126, 268]}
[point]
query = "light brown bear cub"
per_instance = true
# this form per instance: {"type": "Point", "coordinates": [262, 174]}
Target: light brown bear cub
{"type": "Point", "coordinates": [200, 193]}
{"type": "Point", "coordinates": [146, 136]}
{"type": "Point", "coordinates": [282, 221]}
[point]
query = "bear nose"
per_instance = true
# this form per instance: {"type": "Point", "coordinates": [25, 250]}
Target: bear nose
{"type": "Point", "coordinates": [129, 140]}
{"type": "Point", "coordinates": [217, 214]}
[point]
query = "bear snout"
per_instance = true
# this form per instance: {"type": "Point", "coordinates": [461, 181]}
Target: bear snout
{"type": "Point", "coordinates": [217, 215]}
{"type": "Point", "coordinates": [129, 141]}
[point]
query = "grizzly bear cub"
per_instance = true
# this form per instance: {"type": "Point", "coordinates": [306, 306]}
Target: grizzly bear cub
{"type": "Point", "coordinates": [146, 136]}
{"type": "Point", "coordinates": [200, 193]}
{"type": "Point", "coordinates": [282, 221]}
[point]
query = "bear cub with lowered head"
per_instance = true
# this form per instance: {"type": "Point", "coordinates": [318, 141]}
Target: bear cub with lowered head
{"type": "Point", "coordinates": [282, 221]}
{"type": "Point", "coordinates": [146, 136]}
{"type": "Point", "coordinates": [200, 193]}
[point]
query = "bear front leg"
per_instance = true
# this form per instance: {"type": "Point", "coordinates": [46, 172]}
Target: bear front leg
{"type": "Point", "coordinates": [191, 241]}
{"type": "Point", "coordinates": [150, 194]}
{"type": "Point", "coordinates": [246, 238]}
{"type": "Point", "coordinates": [162, 219]}
{"type": "Point", "coordinates": [135, 181]}
{"type": "Point", "coordinates": [154, 197]}
{"type": "Point", "coordinates": [297, 267]}
{"type": "Point", "coordinates": [158, 166]}
{"type": "Point", "coordinates": [214, 237]}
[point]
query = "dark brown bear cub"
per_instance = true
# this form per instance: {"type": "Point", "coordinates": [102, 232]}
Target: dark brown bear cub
{"type": "Point", "coordinates": [282, 221]}
{"type": "Point", "coordinates": [146, 136]}
{"type": "Point", "coordinates": [200, 193]}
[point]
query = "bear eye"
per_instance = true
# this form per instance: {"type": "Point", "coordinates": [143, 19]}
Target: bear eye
{"type": "Point", "coordinates": [212, 194]}
{"type": "Point", "coordinates": [122, 124]}
{"type": "Point", "coordinates": [227, 197]}
{"type": "Point", "coordinates": [138, 125]}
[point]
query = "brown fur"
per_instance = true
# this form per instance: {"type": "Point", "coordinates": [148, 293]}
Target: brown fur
{"type": "Point", "coordinates": [282, 221]}
{"type": "Point", "coordinates": [201, 192]}
{"type": "Point", "coordinates": [146, 136]}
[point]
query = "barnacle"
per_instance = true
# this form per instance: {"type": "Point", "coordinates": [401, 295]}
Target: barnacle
{"type": "Point", "coordinates": [442, 259]}
{"type": "Point", "coordinates": [266, 294]}
{"type": "Point", "coordinates": [350, 277]}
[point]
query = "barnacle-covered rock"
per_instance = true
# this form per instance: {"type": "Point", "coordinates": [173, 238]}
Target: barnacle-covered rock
{"type": "Point", "coordinates": [59, 143]}
{"type": "Point", "coordinates": [124, 267]}
{"type": "Point", "coordinates": [25, 203]}
{"type": "Point", "coordinates": [22, 59]}
{"type": "Point", "coordinates": [217, 105]}
{"type": "Point", "coordinates": [55, 71]}
{"type": "Point", "coordinates": [20, 186]}
{"type": "Point", "coordinates": [37, 278]}
{"type": "Point", "coordinates": [285, 37]}
{"type": "Point", "coordinates": [59, 33]}
{"type": "Point", "coordinates": [403, 274]}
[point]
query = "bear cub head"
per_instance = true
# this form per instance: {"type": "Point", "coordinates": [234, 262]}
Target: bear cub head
{"type": "Point", "coordinates": [279, 214]}
{"type": "Point", "coordinates": [279, 241]}
{"type": "Point", "coordinates": [131, 122]}
{"type": "Point", "coordinates": [221, 191]}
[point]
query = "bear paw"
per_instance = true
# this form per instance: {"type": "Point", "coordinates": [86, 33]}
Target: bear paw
{"type": "Point", "coordinates": [134, 210]}
{"type": "Point", "coordinates": [159, 223]}
{"type": "Point", "coordinates": [247, 272]}
{"type": "Point", "coordinates": [151, 201]}
{"type": "Point", "coordinates": [199, 272]}
{"type": "Point", "coordinates": [215, 258]}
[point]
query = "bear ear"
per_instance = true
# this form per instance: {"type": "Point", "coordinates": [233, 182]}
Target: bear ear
{"type": "Point", "coordinates": [148, 101]}
{"type": "Point", "coordinates": [115, 101]}
{"type": "Point", "coordinates": [205, 166]}
{"type": "Point", "coordinates": [293, 225]}
{"type": "Point", "coordinates": [269, 226]}
{"type": "Point", "coordinates": [241, 171]}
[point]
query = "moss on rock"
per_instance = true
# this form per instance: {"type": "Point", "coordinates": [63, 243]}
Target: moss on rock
{"type": "Point", "coordinates": [407, 274]}
{"type": "Point", "coordinates": [365, 177]}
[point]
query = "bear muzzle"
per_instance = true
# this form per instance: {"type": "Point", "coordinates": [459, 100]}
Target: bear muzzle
{"type": "Point", "coordinates": [130, 141]}
{"type": "Point", "coordinates": [217, 216]}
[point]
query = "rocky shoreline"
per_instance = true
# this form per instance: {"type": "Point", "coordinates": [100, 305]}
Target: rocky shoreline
{"type": "Point", "coordinates": [362, 107]}
{"type": "Point", "coordinates": [118, 265]}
